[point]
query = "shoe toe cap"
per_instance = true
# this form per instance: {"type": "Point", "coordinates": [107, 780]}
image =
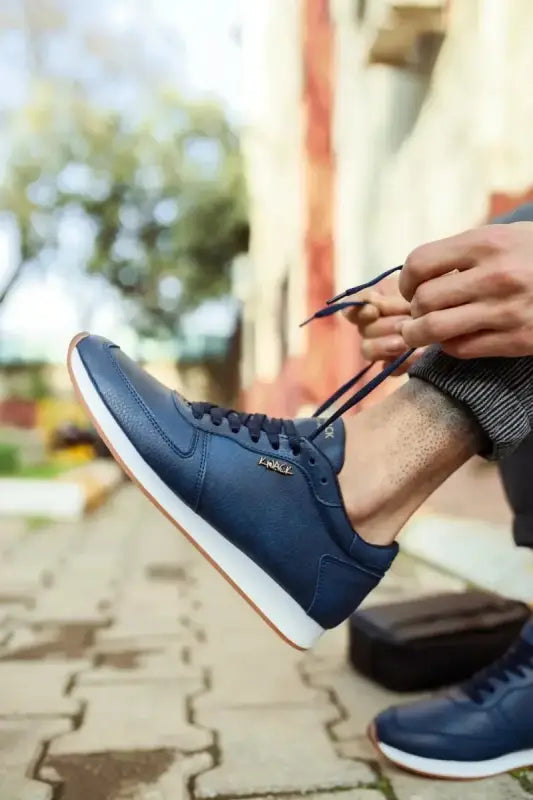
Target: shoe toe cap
{"type": "Point", "coordinates": [438, 728]}
{"type": "Point", "coordinates": [149, 413]}
{"type": "Point", "coordinates": [391, 730]}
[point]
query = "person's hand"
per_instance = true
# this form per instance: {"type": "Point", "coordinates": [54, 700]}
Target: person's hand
{"type": "Point", "coordinates": [472, 293]}
{"type": "Point", "coordinates": [379, 322]}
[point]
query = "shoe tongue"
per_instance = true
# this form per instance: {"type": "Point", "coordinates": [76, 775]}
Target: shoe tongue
{"type": "Point", "coordinates": [330, 442]}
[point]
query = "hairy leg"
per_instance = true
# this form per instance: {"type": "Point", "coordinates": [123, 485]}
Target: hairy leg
{"type": "Point", "coordinates": [398, 452]}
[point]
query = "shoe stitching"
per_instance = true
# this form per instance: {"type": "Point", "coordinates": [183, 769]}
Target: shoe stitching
{"type": "Point", "coordinates": [199, 483]}
{"type": "Point", "coordinates": [182, 453]}
{"type": "Point", "coordinates": [328, 559]}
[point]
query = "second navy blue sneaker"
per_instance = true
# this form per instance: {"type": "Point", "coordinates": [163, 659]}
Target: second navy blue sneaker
{"type": "Point", "coordinates": [259, 497]}
{"type": "Point", "coordinates": [482, 728]}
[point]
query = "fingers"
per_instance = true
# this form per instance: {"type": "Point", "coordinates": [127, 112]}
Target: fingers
{"type": "Point", "coordinates": [383, 348]}
{"type": "Point", "coordinates": [382, 339]}
{"type": "Point", "coordinates": [368, 313]}
{"type": "Point", "coordinates": [456, 252]}
{"type": "Point", "coordinates": [446, 291]}
{"type": "Point", "coordinates": [392, 304]}
{"type": "Point", "coordinates": [457, 289]}
{"type": "Point", "coordinates": [377, 305]}
{"type": "Point", "coordinates": [360, 315]}
{"type": "Point", "coordinates": [485, 344]}
{"type": "Point", "coordinates": [378, 324]}
{"type": "Point", "coordinates": [439, 326]}
{"type": "Point", "coordinates": [384, 326]}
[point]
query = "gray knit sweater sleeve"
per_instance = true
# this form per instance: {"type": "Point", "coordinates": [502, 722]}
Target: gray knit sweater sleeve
{"type": "Point", "coordinates": [498, 392]}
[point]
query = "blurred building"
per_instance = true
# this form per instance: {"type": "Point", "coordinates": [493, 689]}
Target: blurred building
{"type": "Point", "coordinates": [371, 126]}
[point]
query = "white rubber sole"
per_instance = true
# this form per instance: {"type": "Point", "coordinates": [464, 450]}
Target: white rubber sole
{"type": "Point", "coordinates": [267, 597]}
{"type": "Point", "coordinates": [459, 770]}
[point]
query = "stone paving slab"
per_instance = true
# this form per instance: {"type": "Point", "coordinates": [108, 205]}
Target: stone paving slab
{"type": "Point", "coordinates": [263, 669]}
{"type": "Point", "coordinates": [21, 743]}
{"type": "Point", "coordinates": [150, 665]}
{"type": "Point", "coordinates": [276, 749]}
{"type": "Point", "coordinates": [121, 641]}
{"type": "Point", "coordinates": [37, 558]}
{"type": "Point", "coordinates": [345, 794]}
{"type": "Point", "coordinates": [255, 680]}
{"type": "Point", "coordinates": [148, 595]}
{"type": "Point", "coordinates": [44, 547]}
{"type": "Point", "coordinates": [412, 787]}
{"type": "Point", "coordinates": [37, 688]}
{"type": "Point", "coordinates": [12, 531]}
{"type": "Point", "coordinates": [9, 614]}
{"type": "Point", "coordinates": [147, 716]}
{"type": "Point", "coordinates": [136, 775]}
{"type": "Point", "coordinates": [150, 606]}
{"type": "Point", "coordinates": [24, 789]}
{"type": "Point", "coordinates": [249, 664]}
{"type": "Point", "coordinates": [229, 623]}
{"type": "Point", "coordinates": [91, 595]}
{"type": "Point", "coordinates": [186, 689]}
{"type": "Point", "coordinates": [164, 553]}
{"type": "Point", "coordinates": [359, 699]}
{"type": "Point", "coordinates": [142, 628]}
{"type": "Point", "coordinates": [71, 640]}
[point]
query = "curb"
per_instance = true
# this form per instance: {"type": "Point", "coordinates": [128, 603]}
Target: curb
{"type": "Point", "coordinates": [481, 553]}
{"type": "Point", "coordinates": [67, 497]}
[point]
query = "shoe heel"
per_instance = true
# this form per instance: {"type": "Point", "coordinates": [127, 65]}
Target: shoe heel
{"type": "Point", "coordinates": [341, 586]}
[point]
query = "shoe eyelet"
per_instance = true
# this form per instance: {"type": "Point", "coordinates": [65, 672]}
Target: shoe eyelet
{"type": "Point", "coordinates": [275, 446]}
{"type": "Point", "coordinates": [323, 480]}
{"type": "Point", "coordinates": [312, 461]}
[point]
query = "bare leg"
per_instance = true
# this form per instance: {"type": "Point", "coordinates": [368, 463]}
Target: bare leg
{"type": "Point", "coordinates": [398, 452]}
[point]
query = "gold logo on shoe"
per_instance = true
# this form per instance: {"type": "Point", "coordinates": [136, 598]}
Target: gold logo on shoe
{"type": "Point", "coordinates": [275, 465]}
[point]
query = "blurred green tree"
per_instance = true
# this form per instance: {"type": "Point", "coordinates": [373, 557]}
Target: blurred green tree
{"type": "Point", "coordinates": [157, 201]}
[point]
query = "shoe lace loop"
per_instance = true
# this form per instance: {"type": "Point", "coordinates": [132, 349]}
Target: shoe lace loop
{"type": "Point", "coordinates": [513, 663]}
{"type": "Point", "coordinates": [256, 424]}
{"type": "Point", "coordinates": [274, 427]}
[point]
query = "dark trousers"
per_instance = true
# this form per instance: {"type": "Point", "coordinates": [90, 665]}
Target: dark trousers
{"type": "Point", "coordinates": [516, 471]}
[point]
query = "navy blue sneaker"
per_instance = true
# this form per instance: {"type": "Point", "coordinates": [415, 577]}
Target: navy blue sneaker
{"type": "Point", "coordinates": [259, 497]}
{"type": "Point", "coordinates": [482, 728]}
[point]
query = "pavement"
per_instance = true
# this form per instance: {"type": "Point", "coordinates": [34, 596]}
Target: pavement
{"type": "Point", "coordinates": [130, 670]}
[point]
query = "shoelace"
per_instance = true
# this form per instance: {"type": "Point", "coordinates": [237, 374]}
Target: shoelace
{"type": "Point", "coordinates": [333, 306]}
{"type": "Point", "coordinates": [273, 427]}
{"type": "Point", "coordinates": [514, 662]}
{"type": "Point", "coordinates": [255, 423]}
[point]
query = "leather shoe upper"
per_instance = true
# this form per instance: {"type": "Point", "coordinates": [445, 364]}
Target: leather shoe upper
{"type": "Point", "coordinates": [283, 509]}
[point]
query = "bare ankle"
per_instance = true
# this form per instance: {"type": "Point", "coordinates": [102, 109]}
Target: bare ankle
{"type": "Point", "coordinates": [398, 452]}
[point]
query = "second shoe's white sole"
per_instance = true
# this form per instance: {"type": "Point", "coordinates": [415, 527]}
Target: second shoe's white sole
{"type": "Point", "coordinates": [266, 596]}
{"type": "Point", "coordinates": [460, 770]}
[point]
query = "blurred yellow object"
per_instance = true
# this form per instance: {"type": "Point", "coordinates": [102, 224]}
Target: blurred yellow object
{"type": "Point", "coordinates": [52, 413]}
{"type": "Point", "coordinates": [72, 456]}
